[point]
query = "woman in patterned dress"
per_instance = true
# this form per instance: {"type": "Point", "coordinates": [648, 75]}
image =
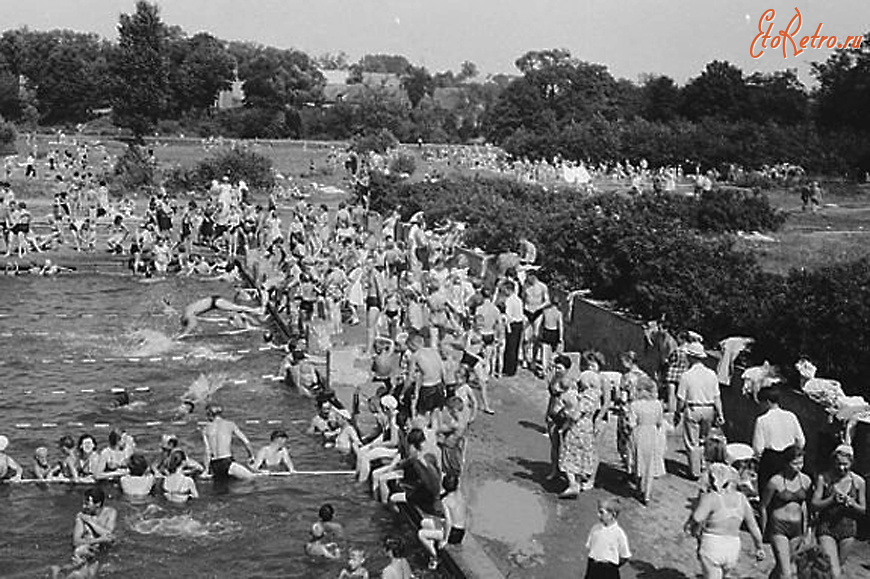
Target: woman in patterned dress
{"type": "Point", "coordinates": [578, 455]}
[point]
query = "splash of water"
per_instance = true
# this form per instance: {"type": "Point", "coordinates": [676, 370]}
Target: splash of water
{"type": "Point", "coordinates": [153, 522]}
{"type": "Point", "coordinates": [146, 342]}
{"type": "Point", "coordinates": [204, 387]}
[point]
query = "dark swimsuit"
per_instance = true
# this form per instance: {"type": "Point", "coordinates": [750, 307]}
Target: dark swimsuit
{"type": "Point", "coordinates": [837, 520]}
{"type": "Point", "coordinates": [550, 337]}
{"type": "Point", "coordinates": [220, 468]}
{"type": "Point", "coordinates": [789, 529]}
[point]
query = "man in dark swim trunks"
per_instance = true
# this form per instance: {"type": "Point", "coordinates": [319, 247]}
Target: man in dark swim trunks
{"type": "Point", "coordinates": [218, 438]}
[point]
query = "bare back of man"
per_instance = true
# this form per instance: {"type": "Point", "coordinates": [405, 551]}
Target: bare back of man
{"type": "Point", "coordinates": [218, 436]}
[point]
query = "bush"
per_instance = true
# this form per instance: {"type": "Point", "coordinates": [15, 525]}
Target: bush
{"type": "Point", "coordinates": [237, 163]}
{"type": "Point", "coordinates": [374, 142]}
{"type": "Point", "coordinates": [732, 209]}
{"type": "Point", "coordinates": [403, 164]}
{"type": "Point", "coordinates": [135, 169]}
{"type": "Point", "coordinates": [8, 136]}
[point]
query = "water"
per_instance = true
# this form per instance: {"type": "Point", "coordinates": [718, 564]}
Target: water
{"type": "Point", "coordinates": [64, 335]}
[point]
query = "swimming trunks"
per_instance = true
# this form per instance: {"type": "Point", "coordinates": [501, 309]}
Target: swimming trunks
{"type": "Point", "coordinates": [550, 337]}
{"type": "Point", "coordinates": [430, 398]}
{"type": "Point", "coordinates": [532, 316]}
{"type": "Point", "coordinates": [220, 468]}
{"type": "Point", "coordinates": [372, 302]}
{"type": "Point", "coordinates": [488, 339]}
{"type": "Point", "coordinates": [455, 536]}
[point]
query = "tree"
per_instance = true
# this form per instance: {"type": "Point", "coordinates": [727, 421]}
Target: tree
{"type": "Point", "coordinates": [660, 98]}
{"type": "Point", "coordinates": [467, 71]}
{"type": "Point", "coordinates": [141, 68]}
{"type": "Point", "coordinates": [333, 60]}
{"type": "Point", "coordinates": [719, 91]}
{"type": "Point", "coordinates": [844, 87]}
{"type": "Point", "coordinates": [418, 83]}
{"type": "Point", "coordinates": [201, 68]}
{"type": "Point", "coordinates": [778, 97]}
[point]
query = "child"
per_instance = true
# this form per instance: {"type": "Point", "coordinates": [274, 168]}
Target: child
{"type": "Point", "coordinates": [607, 543]}
{"type": "Point", "coordinates": [317, 545]}
{"type": "Point", "coordinates": [332, 529]}
{"type": "Point", "coordinates": [355, 569]}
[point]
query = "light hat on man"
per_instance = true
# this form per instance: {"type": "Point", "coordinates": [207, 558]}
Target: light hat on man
{"type": "Point", "coordinates": [695, 349]}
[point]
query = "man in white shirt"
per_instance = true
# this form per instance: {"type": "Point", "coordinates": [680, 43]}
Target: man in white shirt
{"type": "Point", "coordinates": [775, 431]}
{"type": "Point", "coordinates": [515, 319]}
{"type": "Point", "coordinates": [699, 404]}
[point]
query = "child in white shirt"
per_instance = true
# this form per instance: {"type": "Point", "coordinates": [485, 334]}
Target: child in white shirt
{"type": "Point", "coordinates": [607, 543]}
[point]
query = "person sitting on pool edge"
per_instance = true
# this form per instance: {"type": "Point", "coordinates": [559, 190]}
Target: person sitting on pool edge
{"type": "Point", "coordinates": [218, 435]}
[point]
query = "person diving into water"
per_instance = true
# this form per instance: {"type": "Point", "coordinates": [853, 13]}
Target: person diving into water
{"type": "Point", "coordinates": [244, 316]}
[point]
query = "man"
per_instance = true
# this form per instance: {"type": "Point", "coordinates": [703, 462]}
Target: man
{"type": "Point", "coordinates": [426, 368]}
{"type": "Point", "coordinates": [536, 297]}
{"type": "Point", "coordinates": [700, 405]}
{"type": "Point", "coordinates": [775, 431]}
{"type": "Point", "coordinates": [218, 438]}
{"type": "Point", "coordinates": [676, 365]}
{"type": "Point", "coordinates": [515, 319]}
{"type": "Point", "coordinates": [95, 524]}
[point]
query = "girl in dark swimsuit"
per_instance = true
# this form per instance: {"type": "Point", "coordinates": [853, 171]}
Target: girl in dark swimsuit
{"type": "Point", "coordinates": [784, 511]}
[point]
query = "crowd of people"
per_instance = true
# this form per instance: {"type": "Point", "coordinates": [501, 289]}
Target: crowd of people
{"type": "Point", "coordinates": [437, 337]}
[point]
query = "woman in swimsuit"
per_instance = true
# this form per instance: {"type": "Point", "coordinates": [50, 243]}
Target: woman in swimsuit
{"type": "Point", "coordinates": [139, 481]}
{"type": "Point", "coordinates": [274, 456]}
{"type": "Point", "coordinates": [784, 511]}
{"type": "Point", "coordinates": [840, 499]}
{"type": "Point", "coordinates": [717, 520]}
{"type": "Point", "coordinates": [112, 461]}
{"type": "Point", "coordinates": [87, 457]}
{"type": "Point", "coordinates": [177, 486]}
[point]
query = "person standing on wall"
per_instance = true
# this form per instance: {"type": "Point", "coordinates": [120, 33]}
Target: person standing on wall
{"type": "Point", "coordinates": [774, 432]}
{"type": "Point", "coordinates": [699, 404]}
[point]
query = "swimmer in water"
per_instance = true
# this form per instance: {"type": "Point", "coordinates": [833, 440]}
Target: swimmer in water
{"type": "Point", "coordinates": [10, 471]}
{"type": "Point", "coordinates": [317, 545]}
{"type": "Point", "coordinates": [274, 456]}
{"type": "Point", "coordinates": [189, 321]}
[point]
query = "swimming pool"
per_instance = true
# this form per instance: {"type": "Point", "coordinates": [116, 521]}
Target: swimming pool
{"type": "Point", "coordinates": [66, 342]}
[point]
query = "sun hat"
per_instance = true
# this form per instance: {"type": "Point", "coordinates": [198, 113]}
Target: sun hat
{"type": "Point", "coordinates": [737, 451]}
{"type": "Point", "coordinates": [843, 449]}
{"type": "Point", "coordinates": [695, 349]}
{"type": "Point", "coordinates": [4, 442]}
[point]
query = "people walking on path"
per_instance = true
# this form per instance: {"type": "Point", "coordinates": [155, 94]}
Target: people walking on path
{"type": "Point", "coordinates": [699, 406]}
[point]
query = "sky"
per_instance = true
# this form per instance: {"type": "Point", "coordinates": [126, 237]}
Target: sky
{"type": "Point", "coordinates": [631, 37]}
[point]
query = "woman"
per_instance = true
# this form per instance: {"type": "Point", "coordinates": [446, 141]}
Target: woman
{"type": "Point", "coordinates": [557, 386]}
{"type": "Point", "coordinates": [139, 482]}
{"type": "Point", "coordinates": [87, 457]}
{"type": "Point", "coordinates": [784, 516]}
{"type": "Point", "coordinates": [177, 486]}
{"type": "Point", "coordinates": [646, 418]}
{"type": "Point", "coordinates": [274, 456]}
{"type": "Point", "coordinates": [112, 462]}
{"type": "Point", "coordinates": [578, 456]}
{"type": "Point", "coordinates": [623, 398]}
{"type": "Point", "coordinates": [398, 568]}
{"type": "Point", "coordinates": [717, 520]}
{"type": "Point", "coordinates": [840, 499]}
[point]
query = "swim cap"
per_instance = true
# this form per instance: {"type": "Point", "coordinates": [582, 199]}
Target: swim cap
{"type": "Point", "coordinates": [4, 442]}
{"type": "Point", "coordinates": [317, 530]}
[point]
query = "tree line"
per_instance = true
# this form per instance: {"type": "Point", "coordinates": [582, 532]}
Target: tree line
{"type": "Point", "coordinates": [157, 77]}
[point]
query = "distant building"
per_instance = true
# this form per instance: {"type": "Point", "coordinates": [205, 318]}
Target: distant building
{"type": "Point", "coordinates": [232, 98]}
{"type": "Point", "coordinates": [337, 90]}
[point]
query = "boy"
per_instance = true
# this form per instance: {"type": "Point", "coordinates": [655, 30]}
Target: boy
{"type": "Point", "coordinates": [434, 534]}
{"type": "Point", "coordinates": [607, 543]}
{"type": "Point", "coordinates": [355, 569]}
